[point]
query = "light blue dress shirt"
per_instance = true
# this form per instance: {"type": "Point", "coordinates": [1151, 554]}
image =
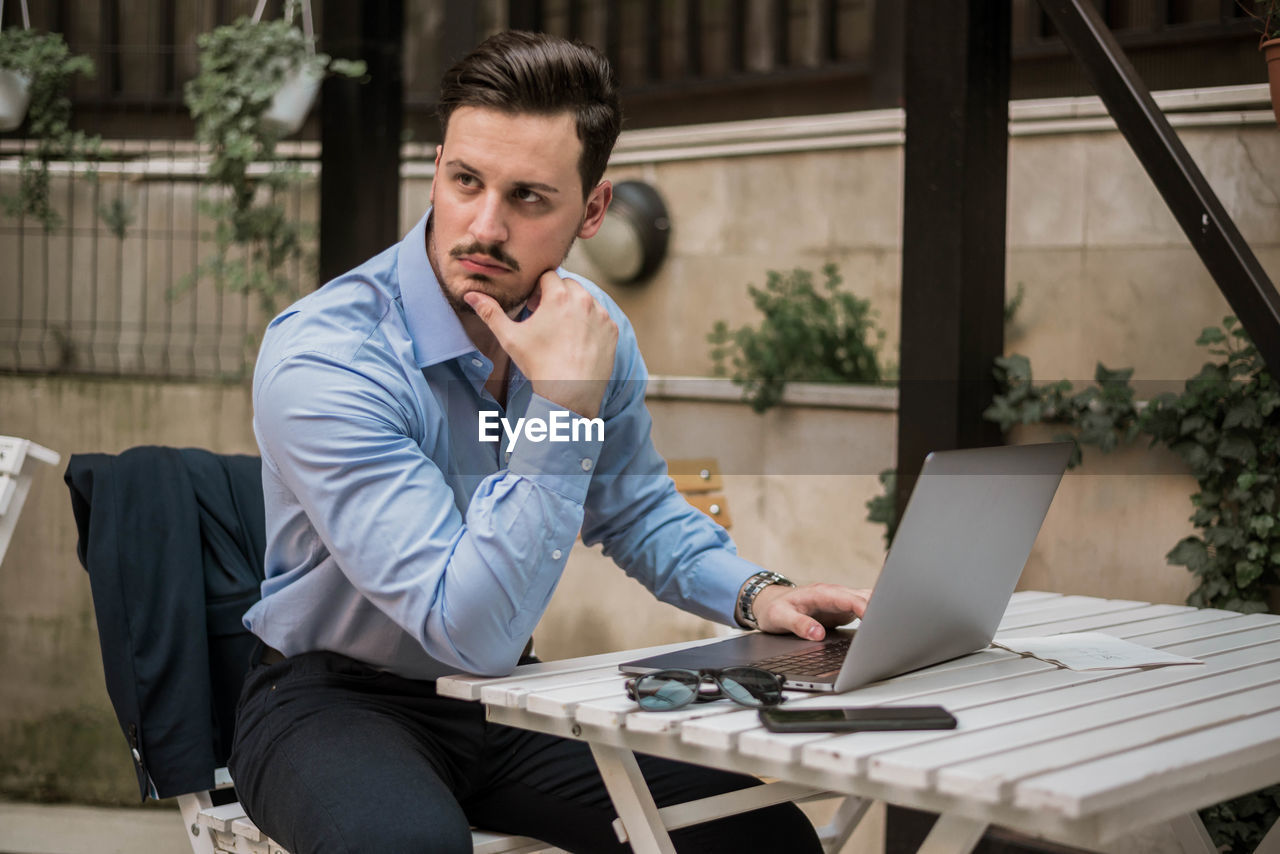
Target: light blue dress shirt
{"type": "Point", "coordinates": [399, 538]}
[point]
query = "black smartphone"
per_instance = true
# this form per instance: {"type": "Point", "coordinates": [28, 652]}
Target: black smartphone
{"type": "Point", "coordinates": [857, 719]}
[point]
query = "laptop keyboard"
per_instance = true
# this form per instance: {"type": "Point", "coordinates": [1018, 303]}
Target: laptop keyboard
{"type": "Point", "coordinates": [818, 662]}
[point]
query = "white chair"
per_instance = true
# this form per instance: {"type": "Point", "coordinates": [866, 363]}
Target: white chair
{"type": "Point", "coordinates": [18, 460]}
{"type": "Point", "coordinates": [226, 829]}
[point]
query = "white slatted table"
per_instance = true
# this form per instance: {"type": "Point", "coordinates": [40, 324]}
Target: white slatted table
{"type": "Point", "coordinates": [1076, 757]}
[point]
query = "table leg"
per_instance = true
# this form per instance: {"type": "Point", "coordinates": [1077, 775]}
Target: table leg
{"type": "Point", "coordinates": [1192, 835]}
{"type": "Point", "coordinates": [847, 818]}
{"type": "Point", "coordinates": [631, 798]}
{"type": "Point", "coordinates": [953, 834]}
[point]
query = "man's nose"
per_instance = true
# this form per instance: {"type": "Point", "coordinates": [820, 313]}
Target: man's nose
{"type": "Point", "coordinates": [490, 224]}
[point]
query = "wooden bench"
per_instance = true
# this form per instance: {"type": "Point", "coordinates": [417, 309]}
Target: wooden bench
{"type": "Point", "coordinates": [699, 481]}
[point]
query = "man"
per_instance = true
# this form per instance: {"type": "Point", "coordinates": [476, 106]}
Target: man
{"type": "Point", "coordinates": [403, 547]}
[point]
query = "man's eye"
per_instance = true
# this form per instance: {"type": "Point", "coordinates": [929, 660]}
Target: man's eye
{"type": "Point", "coordinates": [466, 180]}
{"type": "Point", "coordinates": [527, 195]}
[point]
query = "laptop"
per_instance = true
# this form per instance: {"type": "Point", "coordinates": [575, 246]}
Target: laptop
{"type": "Point", "coordinates": [948, 578]}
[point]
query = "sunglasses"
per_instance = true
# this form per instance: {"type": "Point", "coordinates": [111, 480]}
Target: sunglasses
{"type": "Point", "coordinates": [667, 690]}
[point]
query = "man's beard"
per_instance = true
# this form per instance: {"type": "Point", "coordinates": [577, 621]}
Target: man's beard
{"type": "Point", "coordinates": [507, 302]}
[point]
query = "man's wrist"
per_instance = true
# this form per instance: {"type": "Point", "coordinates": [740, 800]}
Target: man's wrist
{"type": "Point", "coordinates": [745, 611]}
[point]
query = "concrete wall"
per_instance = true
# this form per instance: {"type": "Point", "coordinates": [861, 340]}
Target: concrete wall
{"type": "Point", "coordinates": [59, 739]}
{"type": "Point", "coordinates": [1107, 273]}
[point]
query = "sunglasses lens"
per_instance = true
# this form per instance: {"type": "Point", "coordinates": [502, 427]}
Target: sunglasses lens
{"type": "Point", "coordinates": [751, 686]}
{"type": "Point", "coordinates": [666, 690]}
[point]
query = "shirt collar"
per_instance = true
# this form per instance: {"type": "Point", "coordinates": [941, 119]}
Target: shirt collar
{"type": "Point", "coordinates": [436, 331]}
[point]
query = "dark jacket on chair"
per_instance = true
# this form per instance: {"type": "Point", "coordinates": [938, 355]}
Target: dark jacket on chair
{"type": "Point", "coordinates": [173, 540]}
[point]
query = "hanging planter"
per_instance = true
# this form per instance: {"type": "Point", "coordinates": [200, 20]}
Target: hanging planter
{"type": "Point", "coordinates": [1267, 14]}
{"type": "Point", "coordinates": [257, 82]}
{"type": "Point", "coordinates": [36, 71]}
{"type": "Point", "coordinates": [297, 93]}
{"type": "Point", "coordinates": [15, 95]}
{"type": "Point", "coordinates": [293, 101]}
{"type": "Point", "coordinates": [15, 81]}
{"type": "Point", "coordinates": [1271, 53]}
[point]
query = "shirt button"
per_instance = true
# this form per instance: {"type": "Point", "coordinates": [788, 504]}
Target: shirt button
{"type": "Point", "coordinates": [586, 465]}
{"type": "Point", "coordinates": [555, 555]}
{"type": "Point", "coordinates": [477, 363]}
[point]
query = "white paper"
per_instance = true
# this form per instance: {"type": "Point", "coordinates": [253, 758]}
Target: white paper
{"type": "Point", "coordinates": [1090, 651]}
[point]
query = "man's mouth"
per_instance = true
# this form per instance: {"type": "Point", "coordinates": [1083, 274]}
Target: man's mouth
{"type": "Point", "coordinates": [483, 264]}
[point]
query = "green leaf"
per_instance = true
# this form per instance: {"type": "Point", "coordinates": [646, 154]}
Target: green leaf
{"type": "Point", "coordinates": [1104, 376]}
{"type": "Point", "coordinates": [1191, 553]}
{"type": "Point", "coordinates": [1243, 414]}
{"type": "Point", "coordinates": [1237, 447]}
{"type": "Point", "coordinates": [1211, 335]}
{"type": "Point", "coordinates": [1247, 572]}
{"type": "Point", "coordinates": [1191, 424]}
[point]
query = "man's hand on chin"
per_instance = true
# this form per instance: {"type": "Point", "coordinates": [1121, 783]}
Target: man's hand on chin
{"type": "Point", "coordinates": [565, 347]}
{"type": "Point", "coordinates": [810, 610]}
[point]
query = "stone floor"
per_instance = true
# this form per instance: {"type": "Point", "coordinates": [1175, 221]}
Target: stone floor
{"type": "Point", "coordinates": [66, 829]}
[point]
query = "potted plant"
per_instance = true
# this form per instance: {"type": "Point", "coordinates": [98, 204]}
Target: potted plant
{"type": "Point", "coordinates": [248, 71]}
{"type": "Point", "coordinates": [36, 70]}
{"type": "Point", "coordinates": [1267, 13]}
{"type": "Point", "coordinates": [807, 334]}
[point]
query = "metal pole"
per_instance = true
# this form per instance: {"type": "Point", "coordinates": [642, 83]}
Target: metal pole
{"type": "Point", "coordinates": [956, 90]}
{"type": "Point", "coordinates": [360, 135]}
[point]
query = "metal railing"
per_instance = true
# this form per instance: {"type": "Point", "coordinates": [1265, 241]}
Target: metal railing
{"type": "Point", "coordinates": [111, 290]}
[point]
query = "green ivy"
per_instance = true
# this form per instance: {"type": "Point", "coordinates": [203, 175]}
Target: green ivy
{"type": "Point", "coordinates": [807, 334]}
{"type": "Point", "coordinates": [46, 59]}
{"type": "Point", "coordinates": [882, 509]}
{"type": "Point", "coordinates": [242, 66]}
{"type": "Point", "coordinates": [1225, 427]}
{"type": "Point", "coordinates": [1221, 425]}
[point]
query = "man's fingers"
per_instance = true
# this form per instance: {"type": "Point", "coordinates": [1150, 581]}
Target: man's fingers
{"type": "Point", "coordinates": [488, 310]}
{"type": "Point", "coordinates": [830, 603]}
{"type": "Point", "coordinates": [809, 611]}
{"type": "Point", "coordinates": [550, 281]}
{"type": "Point", "coordinates": [788, 614]}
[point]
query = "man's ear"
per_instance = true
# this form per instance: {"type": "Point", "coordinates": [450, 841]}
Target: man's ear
{"type": "Point", "coordinates": [597, 203]}
{"type": "Point", "coordinates": [431, 199]}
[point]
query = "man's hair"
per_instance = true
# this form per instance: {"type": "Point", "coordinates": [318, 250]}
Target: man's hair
{"type": "Point", "coordinates": [522, 72]}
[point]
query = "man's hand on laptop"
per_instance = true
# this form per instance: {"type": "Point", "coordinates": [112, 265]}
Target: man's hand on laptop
{"type": "Point", "coordinates": [810, 610]}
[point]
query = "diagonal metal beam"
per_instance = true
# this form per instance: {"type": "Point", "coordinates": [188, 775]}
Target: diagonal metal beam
{"type": "Point", "coordinates": [1192, 201]}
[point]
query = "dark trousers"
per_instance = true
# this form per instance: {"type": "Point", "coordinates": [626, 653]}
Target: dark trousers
{"type": "Point", "coordinates": [331, 755]}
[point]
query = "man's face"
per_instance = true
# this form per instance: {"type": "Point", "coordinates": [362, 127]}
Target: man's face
{"type": "Point", "coordinates": [507, 203]}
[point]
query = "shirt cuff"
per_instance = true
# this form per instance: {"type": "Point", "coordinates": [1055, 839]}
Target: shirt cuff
{"type": "Point", "coordinates": [557, 448]}
{"type": "Point", "coordinates": [720, 576]}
